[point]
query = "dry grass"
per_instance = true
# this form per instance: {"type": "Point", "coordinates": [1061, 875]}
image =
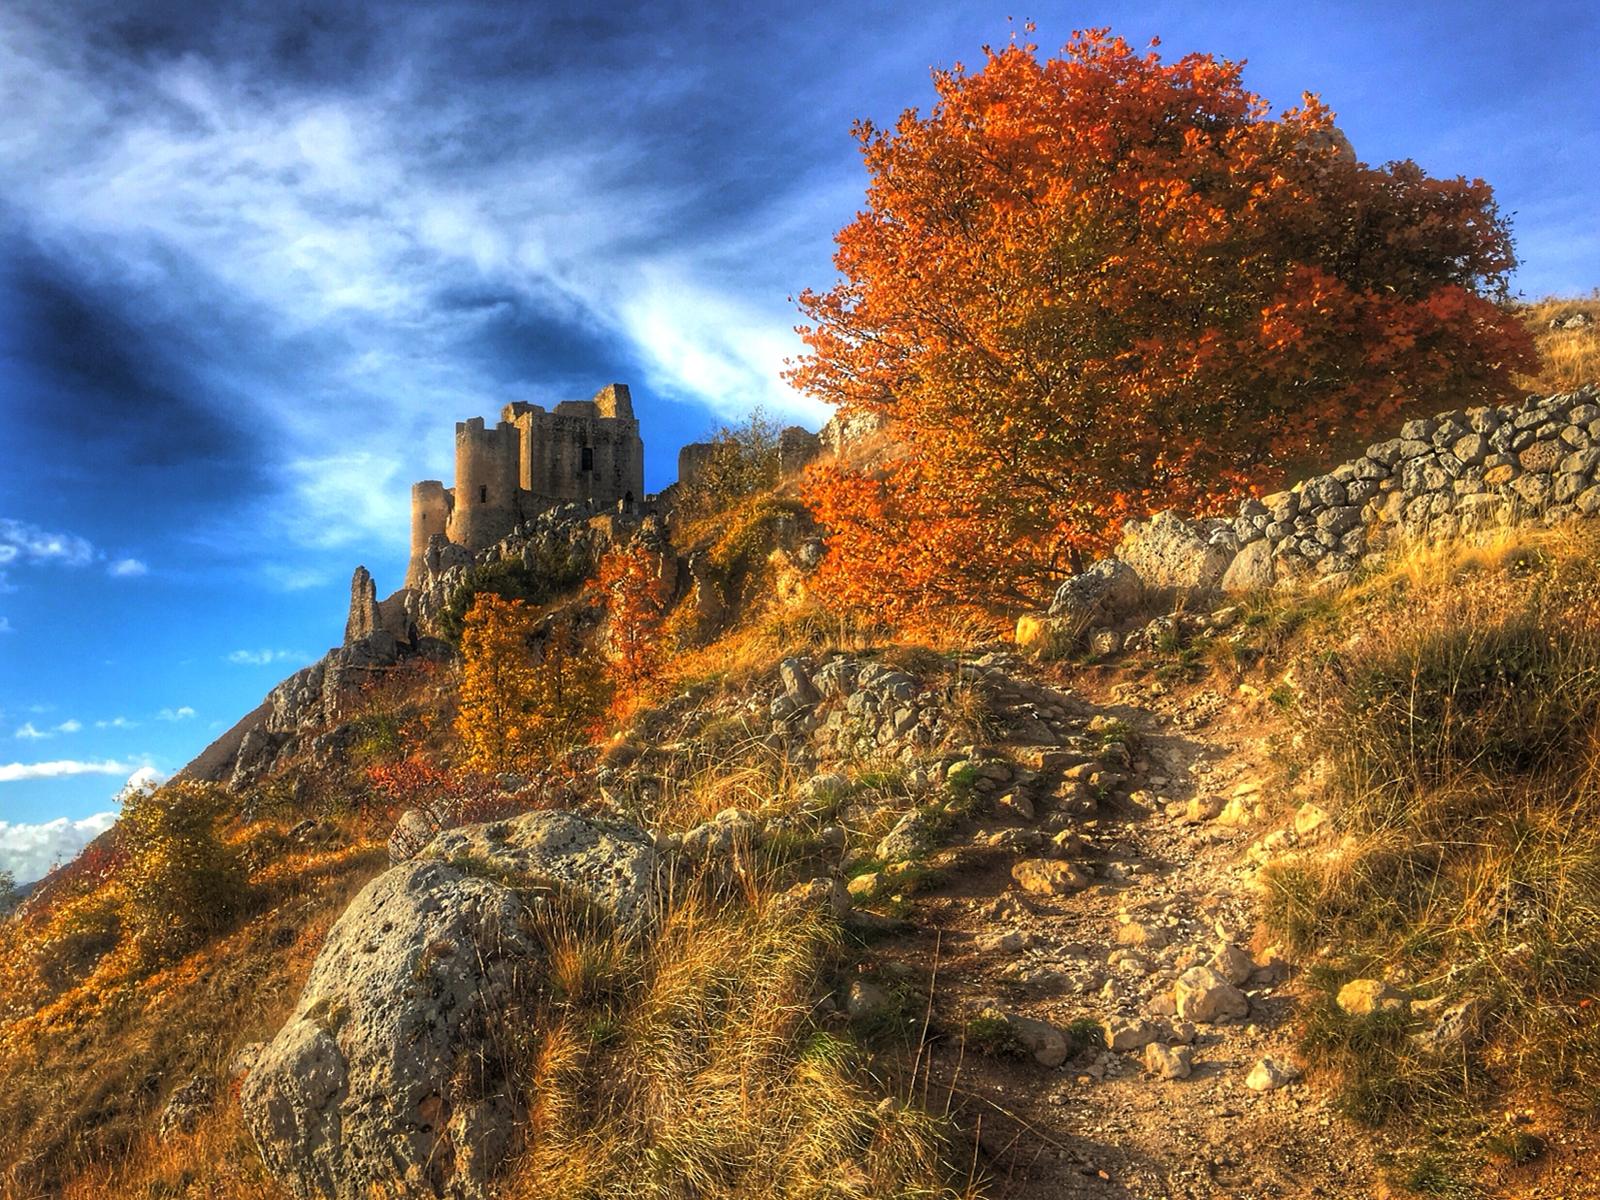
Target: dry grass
{"type": "Point", "coordinates": [1454, 702]}
{"type": "Point", "coordinates": [700, 1071]}
{"type": "Point", "coordinates": [1569, 358]}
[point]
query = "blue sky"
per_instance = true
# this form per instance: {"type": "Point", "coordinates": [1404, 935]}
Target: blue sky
{"type": "Point", "coordinates": [255, 263]}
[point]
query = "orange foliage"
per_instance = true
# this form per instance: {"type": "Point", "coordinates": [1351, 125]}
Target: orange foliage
{"type": "Point", "coordinates": [635, 595]}
{"type": "Point", "coordinates": [1091, 287]}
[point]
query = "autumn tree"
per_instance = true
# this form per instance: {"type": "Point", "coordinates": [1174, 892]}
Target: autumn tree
{"type": "Point", "coordinates": [528, 687]}
{"type": "Point", "coordinates": [1089, 287]}
{"type": "Point", "coordinates": [631, 587]}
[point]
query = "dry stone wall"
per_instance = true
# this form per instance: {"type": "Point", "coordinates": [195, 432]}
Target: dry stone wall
{"type": "Point", "coordinates": [1453, 473]}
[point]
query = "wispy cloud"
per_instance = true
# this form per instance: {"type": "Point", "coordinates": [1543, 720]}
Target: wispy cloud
{"type": "Point", "coordinates": [388, 234]}
{"type": "Point", "coordinates": [264, 658]}
{"type": "Point", "coordinates": [29, 732]}
{"type": "Point", "coordinates": [6, 626]}
{"type": "Point", "coordinates": [182, 713]}
{"type": "Point", "coordinates": [16, 772]}
{"type": "Point", "coordinates": [23, 544]}
{"type": "Point", "coordinates": [118, 722]}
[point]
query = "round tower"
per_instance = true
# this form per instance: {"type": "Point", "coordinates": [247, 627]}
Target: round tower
{"type": "Point", "coordinates": [430, 514]}
{"type": "Point", "coordinates": [485, 507]}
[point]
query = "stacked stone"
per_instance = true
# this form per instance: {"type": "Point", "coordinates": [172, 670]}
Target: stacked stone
{"type": "Point", "coordinates": [1443, 475]}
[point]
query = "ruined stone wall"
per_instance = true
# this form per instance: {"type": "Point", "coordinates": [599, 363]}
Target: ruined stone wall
{"type": "Point", "coordinates": [1458, 472]}
{"type": "Point", "coordinates": [1443, 475]}
{"type": "Point", "coordinates": [692, 460]}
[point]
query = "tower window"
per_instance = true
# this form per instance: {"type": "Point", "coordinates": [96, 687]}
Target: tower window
{"type": "Point", "coordinates": [588, 458]}
{"type": "Point", "coordinates": [483, 493]}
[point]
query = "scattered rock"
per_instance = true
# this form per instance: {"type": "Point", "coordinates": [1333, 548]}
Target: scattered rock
{"type": "Point", "coordinates": [1363, 997]}
{"type": "Point", "coordinates": [865, 1000]}
{"type": "Point", "coordinates": [1105, 593]}
{"type": "Point", "coordinates": [1310, 820]}
{"type": "Point", "coordinates": [1233, 964]}
{"type": "Point", "coordinates": [1048, 876]}
{"type": "Point", "coordinates": [1168, 1062]}
{"type": "Point", "coordinates": [186, 1106]}
{"type": "Point", "coordinates": [1047, 1044]}
{"type": "Point", "coordinates": [1205, 996]}
{"type": "Point", "coordinates": [1270, 1074]}
{"type": "Point", "coordinates": [1127, 1033]}
{"type": "Point", "coordinates": [913, 834]}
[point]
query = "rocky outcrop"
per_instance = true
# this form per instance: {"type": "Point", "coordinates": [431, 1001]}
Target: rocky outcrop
{"type": "Point", "coordinates": [1169, 553]}
{"type": "Point", "coordinates": [386, 1078]}
{"type": "Point", "coordinates": [368, 617]}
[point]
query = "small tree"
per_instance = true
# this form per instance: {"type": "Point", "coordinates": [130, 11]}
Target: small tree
{"type": "Point", "coordinates": [182, 882]}
{"type": "Point", "coordinates": [742, 460]}
{"type": "Point", "coordinates": [635, 595]}
{"type": "Point", "coordinates": [526, 688]}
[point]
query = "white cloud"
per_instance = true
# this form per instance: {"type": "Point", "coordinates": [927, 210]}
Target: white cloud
{"type": "Point", "coordinates": [15, 772]}
{"type": "Point", "coordinates": [21, 542]}
{"type": "Point", "coordinates": [30, 732]}
{"type": "Point", "coordinates": [263, 658]}
{"type": "Point", "coordinates": [30, 851]}
{"type": "Point", "coordinates": [6, 626]}
{"type": "Point", "coordinates": [144, 777]}
{"type": "Point", "coordinates": [182, 713]}
{"type": "Point", "coordinates": [116, 723]}
{"type": "Point", "coordinates": [127, 568]}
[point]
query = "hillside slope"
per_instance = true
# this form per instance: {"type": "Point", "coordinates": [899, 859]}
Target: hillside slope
{"type": "Point", "coordinates": [1195, 883]}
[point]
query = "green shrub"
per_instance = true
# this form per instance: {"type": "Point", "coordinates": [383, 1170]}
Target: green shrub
{"type": "Point", "coordinates": [556, 570]}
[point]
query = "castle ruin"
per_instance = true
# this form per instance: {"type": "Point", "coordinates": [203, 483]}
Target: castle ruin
{"type": "Point", "coordinates": [584, 451]}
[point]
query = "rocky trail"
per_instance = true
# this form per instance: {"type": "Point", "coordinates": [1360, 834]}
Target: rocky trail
{"type": "Point", "coordinates": [1133, 915]}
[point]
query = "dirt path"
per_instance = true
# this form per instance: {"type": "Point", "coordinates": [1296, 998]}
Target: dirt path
{"type": "Point", "coordinates": [1100, 1125]}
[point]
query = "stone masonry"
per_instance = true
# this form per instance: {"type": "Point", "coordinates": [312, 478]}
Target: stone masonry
{"type": "Point", "coordinates": [588, 451]}
{"type": "Point", "coordinates": [1453, 473]}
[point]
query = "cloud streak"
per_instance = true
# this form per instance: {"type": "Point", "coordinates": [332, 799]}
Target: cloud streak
{"type": "Point", "coordinates": [61, 768]}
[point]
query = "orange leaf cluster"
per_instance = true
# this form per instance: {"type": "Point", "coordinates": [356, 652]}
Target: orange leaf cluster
{"type": "Point", "coordinates": [1090, 287]}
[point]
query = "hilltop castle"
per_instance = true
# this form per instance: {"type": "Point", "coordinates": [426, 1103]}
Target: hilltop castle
{"type": "Point", "coordinates": [585, 450]}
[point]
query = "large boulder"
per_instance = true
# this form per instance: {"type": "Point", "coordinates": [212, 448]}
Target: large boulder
{"type": "Point", "coordinates": [1106, 592]}
{"type": "Point", "coordinates": [1174, 554]}
{"type": "Point", "coordinates": [610, 864]}
{"type": "Point", "coordinates": [1252, 570]}
{"type": "Point", "coordinates": [385, 1080]}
